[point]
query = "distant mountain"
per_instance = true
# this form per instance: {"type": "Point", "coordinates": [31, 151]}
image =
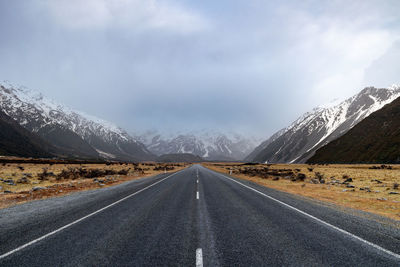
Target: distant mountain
{"type": "Point", "coordinates": [209, 145]}
{"type": "Point", "coordinates": [17, 141]}
{"type": "Point", "coordinates": [299, 141]}
{"type": "Point", "coordinates": [78, 134]}
{"type": "Point", "coordinates": [180, 157]}
{"type": "Point", "coordinates": [376, 139]}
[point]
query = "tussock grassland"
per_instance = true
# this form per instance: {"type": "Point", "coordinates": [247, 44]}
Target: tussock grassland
{"type": "Point", "coordinates": [371, 188]}
{"type": "Point", "coordinates": [21, 182]}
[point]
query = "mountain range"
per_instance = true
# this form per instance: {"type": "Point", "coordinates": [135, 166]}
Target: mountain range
{"type": "Point", "coordinates": [15, 140]}
{"type": "Point", "coordinates": [208, 144]}
{"type": "Point", "coordinates": [376, 139]}
{"type": "Point", "coordinates": [299, 141]}
{"type": "Point", "coordinates": [33, 125]}
{"type": "Point", "coordinates": [71, 133]}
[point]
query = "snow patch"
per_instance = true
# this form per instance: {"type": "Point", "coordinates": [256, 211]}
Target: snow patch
{"type": "Point", "coordinates": [105, 155]}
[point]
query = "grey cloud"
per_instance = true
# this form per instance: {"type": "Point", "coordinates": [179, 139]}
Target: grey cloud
{"type": "Point", "coordinates": [251, 66]}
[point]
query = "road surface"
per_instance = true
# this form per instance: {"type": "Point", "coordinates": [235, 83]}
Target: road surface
{"type": "Point", "coordinates": [192, 217]}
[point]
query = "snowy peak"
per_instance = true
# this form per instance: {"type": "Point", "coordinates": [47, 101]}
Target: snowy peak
{"type": "Point", "coordinates": [42, 115]}
{"type": "Point", "coordinates": [210, 145]}
{"type": "Point", "coordinates": [373, 140]}
{"type": "Point", "coordinates": [302, 138]}
{"type": "Point", "coordinates": [54, 112]}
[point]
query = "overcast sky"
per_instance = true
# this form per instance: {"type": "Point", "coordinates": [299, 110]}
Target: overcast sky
{"type": "Point", "coordinates": [251, 66]}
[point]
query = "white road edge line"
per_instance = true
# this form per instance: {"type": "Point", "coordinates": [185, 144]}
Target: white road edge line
{"type": "Point", "coordinates": [81, 219]}
{"type": "Point", "coordinates": [197, 194]}
{"type": "Point", "coordinates": [319, 220]}
{"type": "Point", "coordinates": [199, 257]}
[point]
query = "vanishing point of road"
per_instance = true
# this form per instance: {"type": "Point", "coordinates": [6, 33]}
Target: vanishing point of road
{"type": "Point", "coordinates": [194, 217]}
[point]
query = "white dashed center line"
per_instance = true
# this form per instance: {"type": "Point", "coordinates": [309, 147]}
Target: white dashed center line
{"type": "Point", "coordinates": [199, 257]}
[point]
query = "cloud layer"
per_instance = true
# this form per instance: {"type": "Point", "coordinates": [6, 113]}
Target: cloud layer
{"type": "Point", "coordinates": [249, 66]}
{"type": "Point", "coordinates": [125, 14]}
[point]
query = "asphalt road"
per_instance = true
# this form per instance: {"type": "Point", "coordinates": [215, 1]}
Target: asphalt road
{"type": "Point", "coordinates": [195, 216]}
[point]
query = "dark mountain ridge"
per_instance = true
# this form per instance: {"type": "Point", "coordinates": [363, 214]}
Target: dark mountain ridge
{"type": "Point", "coordinates": [17, 141]}
{"type": "Point", "coordinates": [299, 141]}
{"type": "Point", "coordinates": [376, 139]}
{"type": "Point", "coordinates": [73, 133]}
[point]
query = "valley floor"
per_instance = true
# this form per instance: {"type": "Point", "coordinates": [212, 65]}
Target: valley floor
{"type": "Point", "coordinates": [371, 188]}
{"type": "Point", "coordinates": [24, 182]}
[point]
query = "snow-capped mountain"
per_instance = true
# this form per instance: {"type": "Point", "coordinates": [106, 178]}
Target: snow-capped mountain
{"type": "Point", "coordinates": [374, 140]}
{"type": "Point", "coordinates": [209, 145]}
{"type": "Point", "coordinates": [299, 141]}
{"type": "Point", "coordinates": [15, 140]}
{"type": "Point", "coordinates": [73, 132]}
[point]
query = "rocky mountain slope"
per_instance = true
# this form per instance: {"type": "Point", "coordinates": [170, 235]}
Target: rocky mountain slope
{"type": "Point", "coordinates": [299, 141]}
{"type": "Point", "coordinates": [77, 133]}
{"type": "Point", "coordinates": [17, 141]}
{"type": "Point", "coordinates": [209, 145]}
{"type": "Point", "coordinates": [376, 139]}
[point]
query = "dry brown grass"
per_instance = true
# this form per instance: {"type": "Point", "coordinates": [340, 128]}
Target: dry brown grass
{"type": "Point", "coordinates": [53, 185]}
{"type": "Point", "coordinates": [375, 197]}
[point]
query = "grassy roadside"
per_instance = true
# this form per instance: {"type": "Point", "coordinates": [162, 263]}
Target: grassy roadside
{"type": "Point", "coordinates": [369, 188]}
{"type": "Point", "coordinates": [23, 182]}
